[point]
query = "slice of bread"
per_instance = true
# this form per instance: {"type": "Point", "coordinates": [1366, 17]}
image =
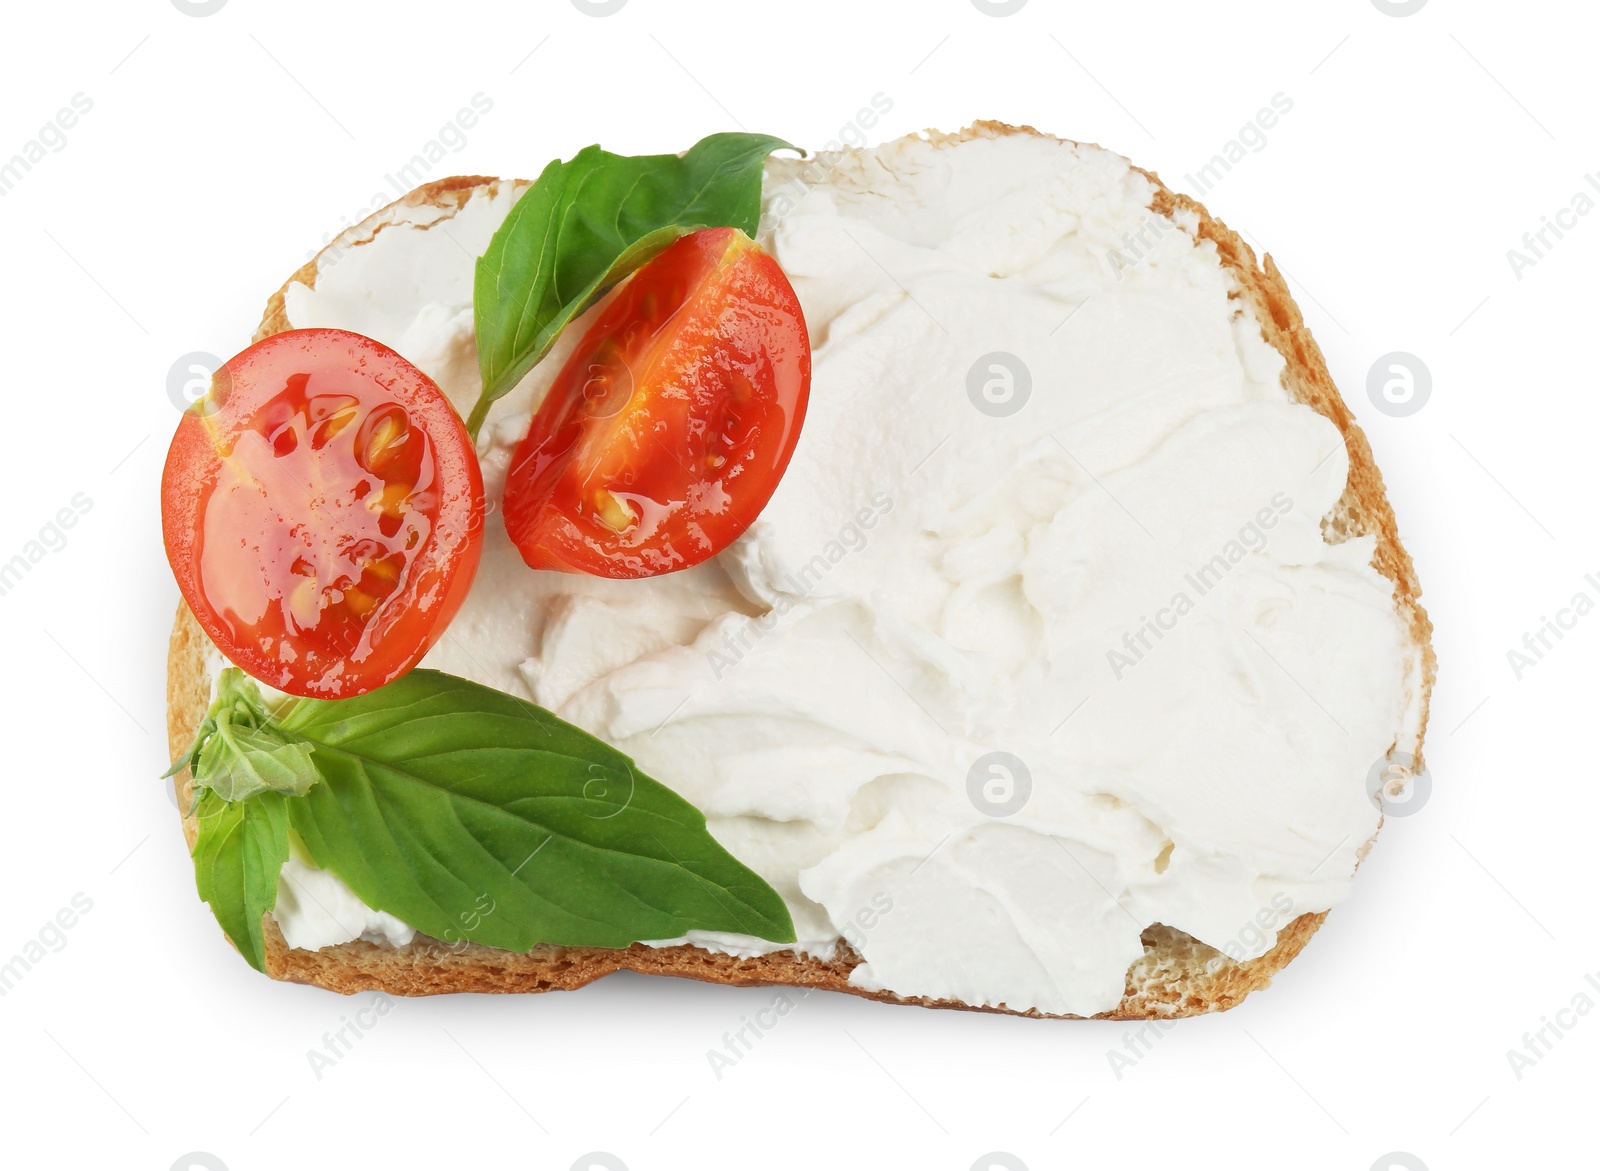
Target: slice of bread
{"type": "Point", "coordinates": [1176, 976]}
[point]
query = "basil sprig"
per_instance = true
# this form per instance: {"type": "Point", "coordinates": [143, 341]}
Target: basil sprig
{"type": "Point", "coordinates": [434, 798]}
{"type": "Point", "coordinates": [238, 749]}
{"type": "Point", "coordinates": [587, 223]}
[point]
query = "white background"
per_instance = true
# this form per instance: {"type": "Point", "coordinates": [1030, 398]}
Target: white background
{"type": "Point", "coordinates": [219, 150]}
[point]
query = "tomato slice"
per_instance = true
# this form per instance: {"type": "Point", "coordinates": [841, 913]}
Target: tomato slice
{"type": "Point", "coordinates": [323, 512]}
{"type": "Point", "coordinates": [666, 432]}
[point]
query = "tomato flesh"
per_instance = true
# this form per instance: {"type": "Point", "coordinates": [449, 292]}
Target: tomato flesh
{"type": "Point", "coordinates": [323, 512]}
{"type": "Point", "coordinates": [667, 430]}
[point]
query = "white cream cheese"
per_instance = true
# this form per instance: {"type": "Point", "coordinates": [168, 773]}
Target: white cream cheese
{"type": "Point", "coordinates": [1123, 586]}
{"type": "Point", "coordinates": [315, 909]}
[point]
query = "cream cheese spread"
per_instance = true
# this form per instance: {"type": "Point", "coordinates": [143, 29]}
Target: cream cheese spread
{"type": "Point", "coordinates": [1038, 642]}
{"type": "Point", "coordinates": [315, 910]}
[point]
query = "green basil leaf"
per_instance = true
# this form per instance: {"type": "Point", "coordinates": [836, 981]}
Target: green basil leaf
{"type": "Point", "coordinates": [473, 815]}
{"type": "Point", "coordinates": [238, 763]}
{"type": "Point", "coordinates": [584, 225]}
{"type": "Point", "coordinates": [238, 855]}
{"type": "Point", "coordinates": [237, 752]}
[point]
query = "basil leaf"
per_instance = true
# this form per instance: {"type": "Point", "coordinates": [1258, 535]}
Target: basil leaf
{"type": "Point", "coordinates": [473, 815]}
{"type": "Point", "coordinates": [583, 226]}
{"type": "Point", "coordinates": [238, 855]}
{"type": "Point", "coordinates": [240, 762]}
{"type": "Point", "coordinates": [244, 772]}
{"type": "Point", "coordinates": [237, 753]}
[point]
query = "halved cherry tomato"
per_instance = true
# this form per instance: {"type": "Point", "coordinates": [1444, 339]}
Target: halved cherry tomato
{"type": "Point", "coordinates": [323, 512]}
{"type": "Point", "coordinates": [667, 430]}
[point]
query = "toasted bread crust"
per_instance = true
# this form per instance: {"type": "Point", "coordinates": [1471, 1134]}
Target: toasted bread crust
{"type": "Point", "coordinates": [1177, 975]}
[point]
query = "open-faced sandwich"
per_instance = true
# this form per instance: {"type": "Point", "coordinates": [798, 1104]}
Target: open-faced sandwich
{"type": "Point", "coordinates": [943, 572]}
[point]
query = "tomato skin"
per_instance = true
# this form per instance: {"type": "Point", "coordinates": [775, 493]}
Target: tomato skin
{"type": "Point", "coordinates": [668, 429]}
{"type": "Point", "coordinates": [322, 511]}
